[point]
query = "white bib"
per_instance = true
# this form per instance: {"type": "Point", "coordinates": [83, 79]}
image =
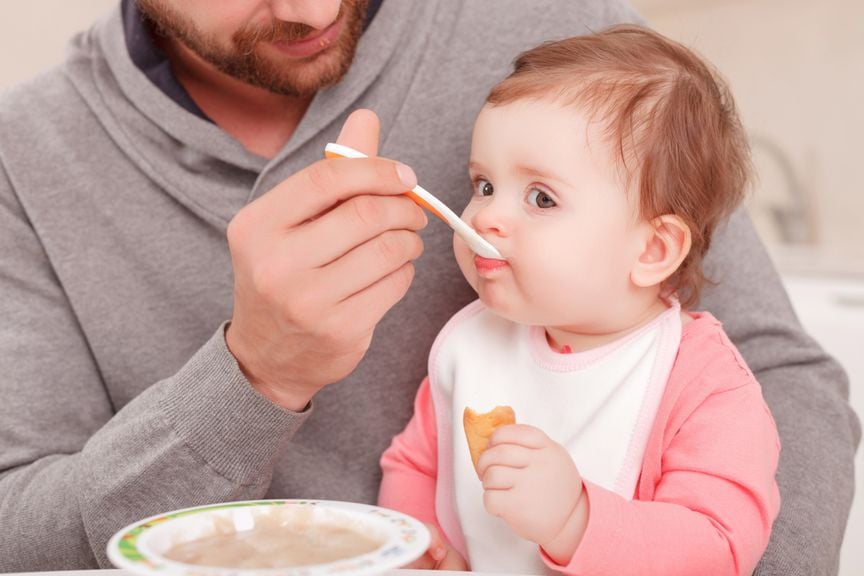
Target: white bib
{"type": "Point", "coordinates": [599, 404]}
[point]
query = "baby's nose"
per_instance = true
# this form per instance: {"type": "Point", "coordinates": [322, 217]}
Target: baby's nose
{"type": "Point", "coordinates": [491, 218]}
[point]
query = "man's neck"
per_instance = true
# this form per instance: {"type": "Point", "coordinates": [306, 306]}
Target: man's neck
{"type": "Point", "coordinates": [259, 119]}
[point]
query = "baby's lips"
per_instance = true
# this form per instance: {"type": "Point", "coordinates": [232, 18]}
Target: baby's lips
{"type": "Point", "coordinates": [488, 264]}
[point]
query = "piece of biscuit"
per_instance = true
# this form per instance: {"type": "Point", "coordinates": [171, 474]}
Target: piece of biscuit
{"type": "Point", "coordinates": [479, 427]}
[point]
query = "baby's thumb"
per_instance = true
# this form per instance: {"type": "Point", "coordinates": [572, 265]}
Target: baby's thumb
{"type": "Point", "coordinates": [437, 549]}
{"type": "Point", "coordinates": [424, 562]}
{"type": "Point", "coordinates": [434, 553]}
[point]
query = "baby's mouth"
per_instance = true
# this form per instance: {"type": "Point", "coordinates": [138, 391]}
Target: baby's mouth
{"type": "Point", "coordinates": [488, 264]}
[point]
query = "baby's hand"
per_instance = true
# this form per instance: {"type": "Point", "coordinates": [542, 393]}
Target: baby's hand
{"type": "Point", "coordinates": [529, 481]}
{"type": "Point", "coordinates": [439, 556]}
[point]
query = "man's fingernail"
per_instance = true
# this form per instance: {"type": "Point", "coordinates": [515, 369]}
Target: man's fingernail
{"type": "Point", "coordinates": [406, 175]}
{"type": "Point", "coordinates": [438, 553]}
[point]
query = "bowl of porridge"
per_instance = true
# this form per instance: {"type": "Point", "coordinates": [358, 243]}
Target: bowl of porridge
{"type": "Point", "coordinates": [270, 538]}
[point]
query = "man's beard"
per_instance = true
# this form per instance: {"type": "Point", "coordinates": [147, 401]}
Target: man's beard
{"type": "Point", "coordinates": [244, 59]}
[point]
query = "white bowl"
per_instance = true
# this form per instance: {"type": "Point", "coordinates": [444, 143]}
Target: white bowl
{"type": "Point", "coordinates": [141, 547]}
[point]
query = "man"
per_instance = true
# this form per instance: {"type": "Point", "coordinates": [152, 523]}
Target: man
{"type": "Point", "coordinates": [126, 391]}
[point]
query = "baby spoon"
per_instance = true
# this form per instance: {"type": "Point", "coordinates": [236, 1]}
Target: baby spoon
{"type": "Point", "coordinates": [422, 197]}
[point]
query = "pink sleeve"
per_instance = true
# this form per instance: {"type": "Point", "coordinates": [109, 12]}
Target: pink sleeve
{"type": "Point", "coordinates": [712, 508]}
{"type": "Point", "coordinates": [410, 464]}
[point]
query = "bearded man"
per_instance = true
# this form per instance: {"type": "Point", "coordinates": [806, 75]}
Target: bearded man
{"type": "Point", "coordinates": [182, 274]}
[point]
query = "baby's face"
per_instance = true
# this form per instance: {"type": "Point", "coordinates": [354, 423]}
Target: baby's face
{"type": "Point", "coordinates": [547, 195]}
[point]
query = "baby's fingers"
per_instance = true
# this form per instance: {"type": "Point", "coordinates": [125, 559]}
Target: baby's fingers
{"type": "Point", "coordinates": [506, 455]}
{"type": "Point", "coordinates": [434, 554]}
{"type": "Point", "coordinates": [424, 562]}
{"type": "Point", "coordinates": [520, 434]}
{"type": "Point", "coordinates": [499, 478]}
{"type": "Point", "coordinates": [453, 561]}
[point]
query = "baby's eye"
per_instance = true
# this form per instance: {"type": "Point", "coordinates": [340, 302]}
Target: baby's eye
{"type": "Point", "coordinates": [483, 187]}
{"type": "Point", "coordinates": [540, 199]}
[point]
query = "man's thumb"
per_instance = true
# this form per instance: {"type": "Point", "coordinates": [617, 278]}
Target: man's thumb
{"type": "Point", "coordinates": [361, 132]}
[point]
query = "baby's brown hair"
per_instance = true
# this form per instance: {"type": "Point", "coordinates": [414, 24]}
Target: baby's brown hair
{"type": "Point", "coordinates": [666, 111]}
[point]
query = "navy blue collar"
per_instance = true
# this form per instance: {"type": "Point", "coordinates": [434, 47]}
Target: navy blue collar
{"type": "Point", "coordinates": [147, 56]}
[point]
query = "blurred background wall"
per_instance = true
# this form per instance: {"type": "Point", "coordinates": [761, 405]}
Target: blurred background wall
{"type": "Point", "coordinates": [34, 33]}
{"type": "Point", "coordinates": [796, 68]}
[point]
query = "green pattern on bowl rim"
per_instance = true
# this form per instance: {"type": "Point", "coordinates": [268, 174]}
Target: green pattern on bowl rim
{"type": "Point", "coordinates": [409, 540]}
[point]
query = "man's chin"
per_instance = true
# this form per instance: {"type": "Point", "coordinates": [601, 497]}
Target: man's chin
{"type": "Point", "coordinates": [248, 58]}
{"type": "Point", "coordinates": [297, 78]}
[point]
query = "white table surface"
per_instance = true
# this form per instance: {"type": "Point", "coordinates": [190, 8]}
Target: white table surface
{"type": "Point", "coordinates": [128, 573]}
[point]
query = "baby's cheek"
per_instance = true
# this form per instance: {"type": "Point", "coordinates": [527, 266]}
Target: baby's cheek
{"type": "Point", "coordinates": [559, 288]}
{"type": "Point", "coordinates": [465, 260]}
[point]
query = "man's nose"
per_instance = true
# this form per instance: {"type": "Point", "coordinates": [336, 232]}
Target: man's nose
{"type": "Point", "coordinates": [318, 14]}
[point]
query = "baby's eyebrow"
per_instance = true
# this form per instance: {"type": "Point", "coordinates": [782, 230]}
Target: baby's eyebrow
{"type": "Point", "coordinates": [474, 166]}
{"type": "Point", "coordinates": [529, 170]}
{"type": "Point", "coordinates": [533, 171]}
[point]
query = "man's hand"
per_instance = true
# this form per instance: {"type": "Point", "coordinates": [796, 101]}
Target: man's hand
{"type": "Point", "coordinates": [439, 556]}
{"type": "Point", "coordinates": [531, 482]}
{"type": "Point", "coordinates": [318, 260]}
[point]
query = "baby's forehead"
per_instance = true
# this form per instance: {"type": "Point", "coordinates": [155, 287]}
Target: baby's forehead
{"type": "Point", "coordinates": [546, 140]}
{"type": "Point", "coordinates": [587, 116]}
{"type": "Point", "coordinates": [550, 122]}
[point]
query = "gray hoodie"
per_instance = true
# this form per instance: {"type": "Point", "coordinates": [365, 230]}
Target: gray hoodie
{"type": "Point", "coordinates": [118, 397]}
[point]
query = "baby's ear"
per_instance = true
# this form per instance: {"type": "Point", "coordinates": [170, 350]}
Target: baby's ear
{"type": "Point", "coordinates": [667, 243]}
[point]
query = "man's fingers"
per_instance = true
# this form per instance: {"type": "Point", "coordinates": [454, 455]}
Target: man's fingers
{"type": "Point", "coordinates": [366, 308]}
{"type": "Point", "coordinates": [361, 131]}
{"type": "Point", "coordinates": [320, 186]}
{"type": "Point", "coordinates": [348, 297]}
{"type": "Point", "coordinates": [370, 262]}
{"type": "Point", "coordinates": [353, 223]}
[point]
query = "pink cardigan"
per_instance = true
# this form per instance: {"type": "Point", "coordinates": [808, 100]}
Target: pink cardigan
{"type": "Point", "coordinates": [706, 497]}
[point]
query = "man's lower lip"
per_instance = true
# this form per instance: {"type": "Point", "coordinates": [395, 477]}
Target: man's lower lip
{"type": "Point", "coordinates": [311, 45]}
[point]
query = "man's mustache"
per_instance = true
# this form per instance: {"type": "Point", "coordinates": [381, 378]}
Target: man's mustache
{"type": "Point", "coordinates": [275, 32]}
{"type": "Point", "coordinates": [278, 31]}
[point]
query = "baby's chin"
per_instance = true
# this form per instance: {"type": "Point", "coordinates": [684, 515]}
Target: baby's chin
{"type": "Point", "coordinates": [520, 312]}
{"type": "Point", "coordinates": [509, 310]}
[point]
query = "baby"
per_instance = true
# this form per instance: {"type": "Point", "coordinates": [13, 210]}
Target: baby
{"type": "Point", "coordinates": [600, 168]}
